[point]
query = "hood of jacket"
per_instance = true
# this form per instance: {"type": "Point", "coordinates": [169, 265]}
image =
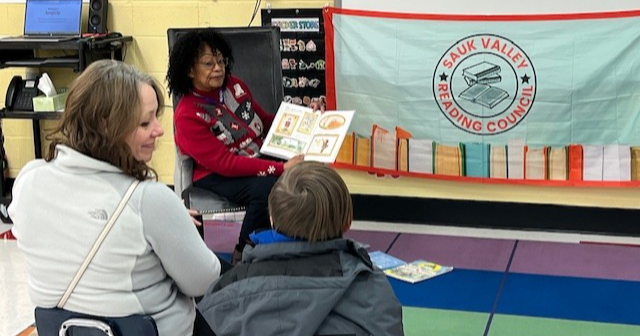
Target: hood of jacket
{"type": "Point", "coordinates": [284, 288]}
{"type": "Point", "coordinates": [72, 161]}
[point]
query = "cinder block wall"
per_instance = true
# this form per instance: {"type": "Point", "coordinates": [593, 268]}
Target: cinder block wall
{"type": "Point", "coordinates": [147, 21]}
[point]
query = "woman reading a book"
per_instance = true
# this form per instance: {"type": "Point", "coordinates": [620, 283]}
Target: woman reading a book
{"type": "Point", "coordinates": [219, 124]}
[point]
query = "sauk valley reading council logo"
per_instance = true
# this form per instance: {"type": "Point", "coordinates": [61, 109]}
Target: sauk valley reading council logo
{"type": "Point", "coordinates": [485, 84]}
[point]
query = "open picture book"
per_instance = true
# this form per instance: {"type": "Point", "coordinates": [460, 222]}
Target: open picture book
{"type": "Point", "coordinates": [415, 271]}
{"type": "Point", "coordinates": [299, 130]}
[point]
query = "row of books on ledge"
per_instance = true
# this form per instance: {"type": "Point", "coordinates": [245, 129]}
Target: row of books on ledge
{"type": "Point", "coordinates": [412, 272]}
{"type": "Point", "coordinates": [398, 150]}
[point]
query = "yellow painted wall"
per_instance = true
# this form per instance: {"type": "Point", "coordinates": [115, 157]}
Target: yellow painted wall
{"type": "Point", "coordinates": [148, 20]}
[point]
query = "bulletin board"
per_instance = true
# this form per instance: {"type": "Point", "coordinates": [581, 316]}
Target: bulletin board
{"type": "Point", "coordinates": [303, 52]}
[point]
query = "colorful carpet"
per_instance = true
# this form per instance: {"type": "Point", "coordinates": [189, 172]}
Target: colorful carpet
{"type": "Point", "coordinates": [504, 287]}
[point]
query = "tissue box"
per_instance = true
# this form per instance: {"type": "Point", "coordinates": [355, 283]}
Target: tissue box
{"type": "Point", "coordinates": [49, 104]}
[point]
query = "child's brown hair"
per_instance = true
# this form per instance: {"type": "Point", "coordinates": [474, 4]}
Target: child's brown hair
{"type": "Point", "coordinates": [311, 201]}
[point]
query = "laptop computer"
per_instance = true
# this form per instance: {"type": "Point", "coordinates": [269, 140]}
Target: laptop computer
{"type": "Point", "coordinates": [50, 21]}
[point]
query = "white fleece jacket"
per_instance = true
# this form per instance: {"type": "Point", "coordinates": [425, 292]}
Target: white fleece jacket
{"type": "Point", "coordinates": [152, 262]}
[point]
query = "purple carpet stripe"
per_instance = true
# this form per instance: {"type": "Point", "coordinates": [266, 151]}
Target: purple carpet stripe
{"type": "Point", "coordinates": [221, 236]}
{"type": "Point", "coordinates": [578, 260]}
{"type": "Point", "coordinates": [461, 252]}
{"type": "Point", "coordinates": [378, 241]}
{"type": "Point", "coordinates": [392, 243]}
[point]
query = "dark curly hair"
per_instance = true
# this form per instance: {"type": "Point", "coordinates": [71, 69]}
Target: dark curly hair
{"type": "Point", "coordinates": [185, 53]}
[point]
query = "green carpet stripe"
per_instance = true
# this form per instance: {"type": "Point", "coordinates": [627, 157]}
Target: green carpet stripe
{"type": "Point", "coordinates": [435, 322]}
{"type": "Point", "coordinates": [509, 325]}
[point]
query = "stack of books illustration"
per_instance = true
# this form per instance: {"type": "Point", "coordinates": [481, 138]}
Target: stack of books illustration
{"type": "Point", "coordinates": [479, 77]}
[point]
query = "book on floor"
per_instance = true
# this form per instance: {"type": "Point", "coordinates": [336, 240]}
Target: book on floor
{"type": "Point", "coordinates": [384, 261]}
{"type": "Point", "coordinates": [299, 130]}
{"type": "Point", "coordinates": [417, 271]}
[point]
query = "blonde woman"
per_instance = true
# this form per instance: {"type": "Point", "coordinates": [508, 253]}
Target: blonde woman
{"type": "Point", "coordinates": [153, 261]}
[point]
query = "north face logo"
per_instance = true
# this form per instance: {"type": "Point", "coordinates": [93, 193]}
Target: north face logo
{"type": "Point", "coordinates": [99, 214]}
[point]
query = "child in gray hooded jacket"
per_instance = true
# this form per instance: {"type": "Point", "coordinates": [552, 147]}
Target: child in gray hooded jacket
{"type": "Point", "coordinates": [302, 278]}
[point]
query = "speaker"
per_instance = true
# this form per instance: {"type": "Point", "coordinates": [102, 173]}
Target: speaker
{"type": "Point", "coordinates": [98, 16]}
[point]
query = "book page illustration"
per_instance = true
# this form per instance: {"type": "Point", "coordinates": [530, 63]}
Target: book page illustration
{"type": "Point", "coordinates": [323, 144]}
{"type": "Point", "coordinates": [332, 122]}
{"type": "Point", "coordinates": [287, 124]}
{"type": "Point", "coordinates": [307, 123]}
{"type": "Point", "coordinates": [329, 134]}
{"type": "Point", "coordinates": [289, 144]}
{"type": "Point", "coordinates": [299, 130]}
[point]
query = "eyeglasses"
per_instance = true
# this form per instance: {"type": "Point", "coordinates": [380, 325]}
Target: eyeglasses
{"type": "Point", "coordinates": [222, 62]}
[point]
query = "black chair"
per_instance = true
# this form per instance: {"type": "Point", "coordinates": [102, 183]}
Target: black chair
{"type": "Point", "coordinates": [256, 51]}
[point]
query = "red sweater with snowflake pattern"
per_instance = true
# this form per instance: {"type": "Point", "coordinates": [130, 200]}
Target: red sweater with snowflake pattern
{"type": "Point", "coordinates": [223, 131]}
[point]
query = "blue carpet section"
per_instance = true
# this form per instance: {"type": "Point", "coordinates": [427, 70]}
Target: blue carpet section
{"type": "Point", "coordinates": [502, 292]}
{"type": "Point", "coordinates": [571, 298]}
{"type": "Point", "coordinates": [460, 289]}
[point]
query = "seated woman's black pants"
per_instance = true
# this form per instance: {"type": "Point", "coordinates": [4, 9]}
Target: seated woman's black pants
{"type": "Point", "coordinates": [251, 192]}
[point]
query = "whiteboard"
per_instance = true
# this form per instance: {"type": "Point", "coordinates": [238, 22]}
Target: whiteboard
{"type": "Point", "coordinates": [491, 6]}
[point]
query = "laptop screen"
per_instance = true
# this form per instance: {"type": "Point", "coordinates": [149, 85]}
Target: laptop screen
{"type": "Point", "coordinates": [53, 17]}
